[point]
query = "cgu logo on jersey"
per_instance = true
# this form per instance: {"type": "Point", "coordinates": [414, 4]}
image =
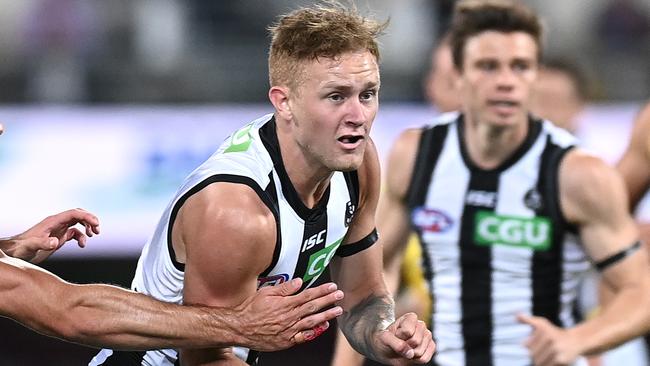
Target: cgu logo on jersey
{"type": "Point", "coordinates": [430, 220]}
{"type": "Point", "coordinates": [272, 280]}
{"type": "Point", "coordinates": [241, 139]}
{"type": "Point", "coordinates": [526, 232]}
{"type": "Point", "coordinates": [319, 261]}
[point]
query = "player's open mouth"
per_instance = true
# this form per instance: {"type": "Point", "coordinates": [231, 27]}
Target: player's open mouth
{"type": "Point", "coordinates": [503, 106]}
{"type": "Point", "coordinates": [350, 141]}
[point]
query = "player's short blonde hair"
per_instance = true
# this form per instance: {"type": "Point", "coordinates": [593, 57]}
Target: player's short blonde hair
{"type": "Point", "coordinates": [325, 30]}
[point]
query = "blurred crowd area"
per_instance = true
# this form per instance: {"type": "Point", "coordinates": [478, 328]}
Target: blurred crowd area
{"type": "Point", "coordinates": [207, 51]}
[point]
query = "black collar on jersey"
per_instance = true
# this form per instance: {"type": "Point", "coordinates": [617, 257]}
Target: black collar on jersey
{"type": "Point", "coordinates": [269, 137]}
{"type": "Point", "coordinates": [534, 129]}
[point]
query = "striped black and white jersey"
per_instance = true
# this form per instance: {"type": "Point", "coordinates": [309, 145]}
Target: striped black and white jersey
{"type": "Point", "coordinates": [495, 242]}
{"type": "Point", "coordinates": [307, 238]}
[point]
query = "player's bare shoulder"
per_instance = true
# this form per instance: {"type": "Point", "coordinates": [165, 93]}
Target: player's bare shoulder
{"type": "Point", "coordinates": [401, 161]}
{"type": "Point", "coordinates": [587, 184]}
{"type": "Point", "coordinates": [227, 216]}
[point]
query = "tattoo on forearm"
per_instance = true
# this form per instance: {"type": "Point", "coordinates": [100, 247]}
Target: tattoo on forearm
{"type": "Point", "coordinates": [360, 324]}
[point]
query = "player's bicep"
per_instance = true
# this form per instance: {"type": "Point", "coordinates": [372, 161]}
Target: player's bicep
{"type": "Point", "coordinates": [228, 237]}
{"type": "Point", "coordinates": [594, 197]}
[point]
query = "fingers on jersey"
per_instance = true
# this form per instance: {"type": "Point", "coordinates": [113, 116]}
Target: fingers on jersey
{"type": "Point", "coordinates": [311, 334]}
{"type": "Point", "coordinates": [305, 307]}
{"type": "Point", "coordinates": [287, 288]}
{"type": "Point", "coordinates": [313, 299]}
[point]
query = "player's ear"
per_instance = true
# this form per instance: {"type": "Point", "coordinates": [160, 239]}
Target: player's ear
{"type": "Point", "coordinates": [279, 97]}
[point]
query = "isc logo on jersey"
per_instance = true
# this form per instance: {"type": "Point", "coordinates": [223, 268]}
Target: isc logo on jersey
{"type": "Point", "coordinates": [431, 220]}
{"type": "Point", "coordinates": [314, 240]}
{"type": "Point", "coordinates": [526, 232]}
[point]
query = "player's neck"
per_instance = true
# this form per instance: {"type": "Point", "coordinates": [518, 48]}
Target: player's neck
{"type": "Point", "coordinates": [309, 178]}
{"type": "Point", "coordinates": [489, 145]}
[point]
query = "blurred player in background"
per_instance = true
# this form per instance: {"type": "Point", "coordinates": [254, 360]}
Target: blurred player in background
{"type": "Point", "coordinates": [560, 94]}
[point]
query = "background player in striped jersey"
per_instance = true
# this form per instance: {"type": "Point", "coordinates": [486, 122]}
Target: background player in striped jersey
{"type": "Point", "coordinates": [500, 201]}
{"type": "Point", "coordinates": [108, 316]}
{"type": "Point", "coordinates": [286, 195]}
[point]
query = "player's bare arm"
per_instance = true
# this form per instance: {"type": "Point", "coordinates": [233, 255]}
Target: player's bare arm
{"type": "Point", "coordinates": [634, 165]}
{"type": "Point", "coordinates": [368, 319]}
{"type": "Point", "coordinates": [109, 316]}
{"type": "Point", "coordinates": [225, 235]}
{"type": "Point", "coordinates": [392, 216]}
{"type": "Point", "coordinates": [592, 195]}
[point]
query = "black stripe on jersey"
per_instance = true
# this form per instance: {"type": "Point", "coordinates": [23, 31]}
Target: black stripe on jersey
{"type": "Point", "coordinates": [125, 358]}
{"type": "Point", "coordinates": [352, 180]}
{"type": "Point", "coordinates": [269, 138]}
{"type": "Point", "coordinates": [547, 270]}
{"type": "Point", "coordinates": [228, 178]}
{"type": "Point", "coordinates": [352, 183]}
{"type": "Point", "coordinates": [272, 194]}
{"type": "Point", "coordinates": [429, 148]}
{"type": "Point", "coordinates": [476, 278]}
{"type": "Point", "coordinates": [314, 238]}
{"type": "Point", "coordinates": [252, 358]}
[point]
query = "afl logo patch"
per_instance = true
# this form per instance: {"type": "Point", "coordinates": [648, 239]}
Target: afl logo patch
{"type": "Point", "coordinates": [430, 220]}
{"type": "Point", "coordinates": [272, 280]}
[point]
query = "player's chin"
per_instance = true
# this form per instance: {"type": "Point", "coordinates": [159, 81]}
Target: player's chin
{"type": "Point", "coordinates": [348, 163]}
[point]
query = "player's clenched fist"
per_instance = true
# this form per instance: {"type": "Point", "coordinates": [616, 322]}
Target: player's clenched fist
{"type": "Point", "coordinates": [406, 341]}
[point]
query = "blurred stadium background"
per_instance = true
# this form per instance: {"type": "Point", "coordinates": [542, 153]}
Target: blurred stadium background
{"type": "Point", "coordinates": [107, 105]}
